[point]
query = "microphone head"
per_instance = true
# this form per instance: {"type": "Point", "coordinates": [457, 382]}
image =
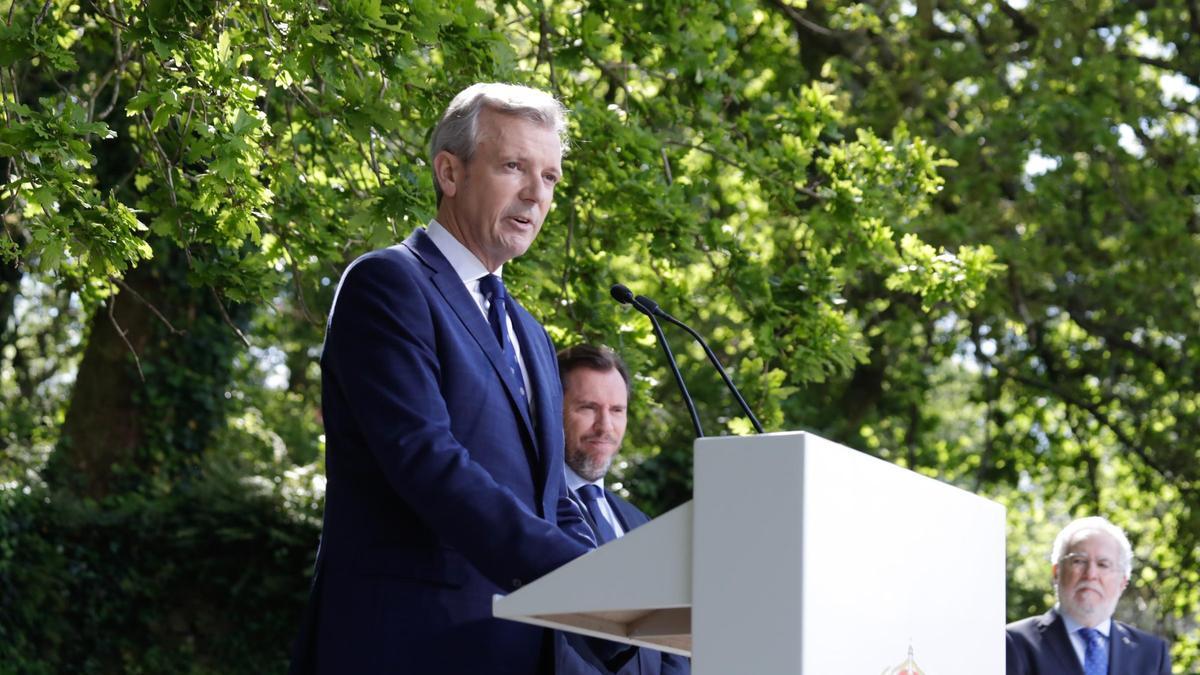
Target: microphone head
{"type": "Point", "coordinates": [621, 294]}
{"type": "Point", "coordinates": [649, 304]}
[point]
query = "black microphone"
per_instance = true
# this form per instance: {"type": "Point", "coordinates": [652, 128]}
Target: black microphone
{"type": "Point", "coordinates": [625, 296]}
{"type": "Point", "coordinates": [655, 310]}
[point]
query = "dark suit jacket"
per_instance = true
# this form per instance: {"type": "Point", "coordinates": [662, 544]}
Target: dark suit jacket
{"type": "Point", "coordinates": [442, 488]}
{"type": "Point", "coordinates": [642, 661]}
{"type": "Point", "coordinates": [1039, 645]}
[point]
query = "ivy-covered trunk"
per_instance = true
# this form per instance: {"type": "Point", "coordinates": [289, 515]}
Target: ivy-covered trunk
{"type": "Point", "coordinates": [151, 386]}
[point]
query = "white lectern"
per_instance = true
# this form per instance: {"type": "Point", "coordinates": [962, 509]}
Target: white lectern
{"type": "Point", "coordinates": [797, 555]}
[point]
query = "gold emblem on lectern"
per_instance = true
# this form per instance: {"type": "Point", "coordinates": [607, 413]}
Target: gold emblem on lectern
{"type": "Point", "coordinates": [908, 667]}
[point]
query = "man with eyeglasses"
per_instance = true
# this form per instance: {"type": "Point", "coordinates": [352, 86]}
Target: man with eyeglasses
{"type": "Point", "coordinates": [1091, 563]}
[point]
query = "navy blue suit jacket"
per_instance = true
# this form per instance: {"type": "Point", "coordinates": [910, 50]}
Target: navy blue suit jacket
{"type": "Point", "coordinates": [642, 661]}
{"type": "Point", "coordinates": [442, 488]}
{"type": "Point", "coordinates": [1039, 645]}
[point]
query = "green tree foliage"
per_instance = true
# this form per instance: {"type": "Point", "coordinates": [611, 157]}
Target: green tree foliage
{"type": "Point", "coordinates": [1074, 130]}
{"type": "Point", "coordinates": [958, 235]}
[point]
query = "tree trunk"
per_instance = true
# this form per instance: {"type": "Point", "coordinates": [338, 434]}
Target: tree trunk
{"type": "Point", "coordinates": [124, 430]}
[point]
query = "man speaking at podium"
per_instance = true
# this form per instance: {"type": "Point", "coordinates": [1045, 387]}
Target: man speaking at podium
{"type": "Point", "coordinates": [443, 419]}
{"type": "Point", "coordinates": [1091, 563]}
{"type": "Point", "coordinates": [595, 386]}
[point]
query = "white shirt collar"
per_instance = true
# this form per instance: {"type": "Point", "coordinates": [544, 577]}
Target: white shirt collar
{"type": "Point", "coordinates": [465, 264]}
{"type": "Point", "coordinates": [1073, 626]}
{"type": "Point", "coordinates": [575, 481]}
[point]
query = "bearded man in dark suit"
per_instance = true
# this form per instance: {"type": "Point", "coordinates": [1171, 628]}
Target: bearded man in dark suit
{"type": "Point", "coordinates": [595, 385]}
{"type": "Point", "coordinates": [1091, 563]}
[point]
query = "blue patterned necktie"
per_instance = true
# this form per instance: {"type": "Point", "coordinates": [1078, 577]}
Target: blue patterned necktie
{"type": "Point", "coordinates": [592, 494]}
{"type": "Point", "coordinates": [1095, 657]}
{"type": "Point", "coordinates": [492, 288]}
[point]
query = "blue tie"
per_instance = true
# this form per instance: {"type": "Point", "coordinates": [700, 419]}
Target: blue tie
{"type": "Point", "coordinates": [592, 494]}
{"type": "Point", "coordinates": [492, 288]}
{"type": "Point", "coordinates": [1095, 657]}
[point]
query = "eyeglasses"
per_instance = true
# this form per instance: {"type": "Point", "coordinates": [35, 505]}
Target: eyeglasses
{"type": "Point", "coordinates": [1078, 562]}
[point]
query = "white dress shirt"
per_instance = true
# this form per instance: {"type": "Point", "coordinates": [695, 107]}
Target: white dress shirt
{"type": "Point", "coordinates": [470, 270]}
{"type": "Point", "coordinates": [1077, 640]}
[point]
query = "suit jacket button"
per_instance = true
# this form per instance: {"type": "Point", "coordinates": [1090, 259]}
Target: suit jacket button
{"type": "Point", "coordinates": [516, 583]}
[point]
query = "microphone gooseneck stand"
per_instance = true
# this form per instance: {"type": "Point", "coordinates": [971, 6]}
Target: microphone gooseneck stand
{"type": "Point", "coordinates": [625, 296]}
{"type": "Point", "coordinates": [658, 311]}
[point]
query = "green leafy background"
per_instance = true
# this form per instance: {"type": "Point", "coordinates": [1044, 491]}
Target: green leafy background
{"type": "Point", "coordinates": [960, 236]}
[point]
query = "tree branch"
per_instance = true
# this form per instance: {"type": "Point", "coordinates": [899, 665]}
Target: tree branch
{"type": "Point", "coordinates": [297, 281]}
{"type": "Point", "coordinates": [122, 334]}
{"type": "Point", "coordinates": [1025, 28]}
{"type": "Point", "coordinates": [168, 167]}
{"type": "Point", "coordinates": [149, 305]}
{"type": "Point", "coordinates": [37, 21]}
{"type": "Point", "coordinates": [1096, 412]}
{"type": "Point", "coordinates": [228, 321]}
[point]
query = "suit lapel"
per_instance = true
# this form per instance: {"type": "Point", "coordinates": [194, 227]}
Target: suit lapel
{"type": "Point", "coordinates": [618, 510]}
{"type": "Point", "coordinates": [446, 280]}
{"type": "Point", "coordinates": [1122, 646]}
{"type": "Point", "coordinates": [1054, 635]}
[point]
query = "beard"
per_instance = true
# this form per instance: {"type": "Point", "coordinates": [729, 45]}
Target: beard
{"type": "Point", "coordinates": [1086, 611]}
{"type": "Point", "coordinates": [590, 467]}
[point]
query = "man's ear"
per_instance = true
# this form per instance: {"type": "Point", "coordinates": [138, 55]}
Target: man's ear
{"type": "Point", "coordinates": [449, 172]}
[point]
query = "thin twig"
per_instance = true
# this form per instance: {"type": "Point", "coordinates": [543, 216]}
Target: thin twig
{"type": "Point", "coordinates": [149, 305]}
{"type": "Point", "coordinates": [229, 321]}
{"type": "Point", "coordinates": [121, 333]}
{"type": "Point", "coordinates": [122, 59]}
{"type": "Point", "coordinates": [42, 14]}
{"type": "Point", "coordinates": [369, 152]}
{"type": "Point", "coordinates": [7, 116]}
{"type": "Point", "coordinates": [183, 130]}
{"type": "Point", "coordinates": [269, 22]}
{"type": "Point", "coordinates": [12, 76]}
{"type": "Point", "coordinates": [112, 18]}
{"type": "Point", "coordinates": [162, 154]}
{"type": "Point", "coordinates": [112, 101]}
{"type": "Point", "coordinates": [298, 281]}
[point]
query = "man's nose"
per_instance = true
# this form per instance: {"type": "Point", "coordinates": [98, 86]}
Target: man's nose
{"type": "Point", "coordinates": [535, 190]}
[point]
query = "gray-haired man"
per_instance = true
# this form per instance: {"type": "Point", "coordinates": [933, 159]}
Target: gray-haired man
{"type": "Point", "coordinates": [1091, 563]}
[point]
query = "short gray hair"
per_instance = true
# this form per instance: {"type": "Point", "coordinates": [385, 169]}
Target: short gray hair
{"type": "Point", "coordinates": [457, 131]}
{"type": "Point", "coordinates": [1093, 523]}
